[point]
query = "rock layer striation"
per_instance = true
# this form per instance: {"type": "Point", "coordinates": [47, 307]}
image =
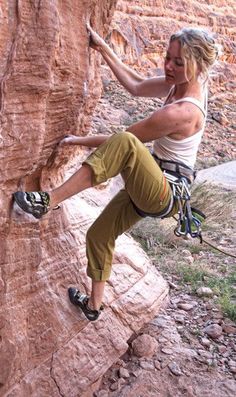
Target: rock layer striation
{"type": "Point", "coordinates": [50, 83]}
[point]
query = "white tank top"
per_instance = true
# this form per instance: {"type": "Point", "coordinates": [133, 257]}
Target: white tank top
{"type": "Point", "coordinates": [184, 150]}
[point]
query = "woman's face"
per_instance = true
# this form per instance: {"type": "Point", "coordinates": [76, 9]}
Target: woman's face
{"type": "Point", "coordinates": [175, 71]}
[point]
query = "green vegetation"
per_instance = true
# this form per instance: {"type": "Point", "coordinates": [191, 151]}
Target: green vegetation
{"type": "Point", "coordinates": [223, 287]}
{"type": "Point", "coordinates": [207, 267]}
{"type": "Point", "coordinates": [192, 275]}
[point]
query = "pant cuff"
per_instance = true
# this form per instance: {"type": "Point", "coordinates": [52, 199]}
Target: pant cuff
{"type": "Point", "coordinates": [98, 275]}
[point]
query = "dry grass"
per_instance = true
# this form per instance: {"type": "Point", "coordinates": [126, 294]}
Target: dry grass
{"type": "Point", "coordinates": [210, 268]}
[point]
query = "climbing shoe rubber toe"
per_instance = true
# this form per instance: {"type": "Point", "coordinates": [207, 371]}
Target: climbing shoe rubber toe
{"type": "Point", "coordinates": [34, 203]}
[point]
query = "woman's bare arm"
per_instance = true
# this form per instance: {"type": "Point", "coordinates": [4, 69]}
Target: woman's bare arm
{"type": "Point", "coordinates": [89, 141]}
{"type": "Point", "coordinates": [178, 121]}
{"type": "Point", "coordinates": [133, 82]}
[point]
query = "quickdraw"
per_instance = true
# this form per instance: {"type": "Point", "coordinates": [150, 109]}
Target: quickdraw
{"type": "Point", "coordinates": [189, 219]}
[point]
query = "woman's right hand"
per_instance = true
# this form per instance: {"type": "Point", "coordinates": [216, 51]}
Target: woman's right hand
{"type": "Point", "coordinates": [69, 140]}
{"type": "Point", "coordinates": [96, 42]}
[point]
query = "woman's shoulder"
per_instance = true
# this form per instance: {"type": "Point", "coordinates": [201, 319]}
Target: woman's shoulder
{"type": "Point", "coordinates": [198, 99]}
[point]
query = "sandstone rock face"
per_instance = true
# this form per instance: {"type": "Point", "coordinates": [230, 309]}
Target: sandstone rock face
{"type": "Point", "coordinates": [140, 32]}
{"type": "Point", "coordinates": [141, 29]}
{"type": "Point", "coordinates": [50, 84]}
{"type": "Point", "coordinates": [49, 87]}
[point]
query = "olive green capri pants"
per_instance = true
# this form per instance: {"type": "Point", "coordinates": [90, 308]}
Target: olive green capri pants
{"type": "Point", "coordinates": [145, 187]}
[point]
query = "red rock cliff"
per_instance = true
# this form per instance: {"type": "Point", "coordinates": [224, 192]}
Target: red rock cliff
{"type": "Point", "coordinates": [139, 33]}
{"type": "Point", "coordinates": [49, 87]}
{"type": "Point", "coordinates": [141, 29]}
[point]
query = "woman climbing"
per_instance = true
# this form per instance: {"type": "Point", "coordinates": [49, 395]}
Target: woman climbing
{"type": "Point", "coordinates": [175, 129]}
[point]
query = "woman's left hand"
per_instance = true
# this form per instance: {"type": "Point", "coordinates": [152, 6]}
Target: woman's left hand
{"type": "Point", "coordinates": [69, 140]}
{"type": "Point", "coordinates": [96, 41]}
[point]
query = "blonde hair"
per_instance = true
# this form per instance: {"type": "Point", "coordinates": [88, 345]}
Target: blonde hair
{"type": "Point", "coordinates": [198, 50]}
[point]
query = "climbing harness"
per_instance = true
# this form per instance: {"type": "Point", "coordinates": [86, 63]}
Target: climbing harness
{"type": "Point", "coordinates": [189, 219]}
{"type": "Point", "coordinates": [176, 168]}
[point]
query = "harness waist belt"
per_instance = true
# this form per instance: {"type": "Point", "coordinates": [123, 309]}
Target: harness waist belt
{"type": "Point", "coordinates": [176, 167]}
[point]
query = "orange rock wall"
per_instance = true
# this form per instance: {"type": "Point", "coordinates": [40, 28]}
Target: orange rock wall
{"type": "Point", "coordinates": [50, 83]}
{"type": "Point", "coordinates": [49, 87]}
{"type": "Point", "coordinates": [141, 29]}
{"type": "Point", "coordinates": [48, 74]}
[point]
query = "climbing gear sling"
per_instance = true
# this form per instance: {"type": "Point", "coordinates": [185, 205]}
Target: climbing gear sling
{"type": "Point", "coordinates": [189, 219]}
{"type": "Point", "coordinates": [180, 178]}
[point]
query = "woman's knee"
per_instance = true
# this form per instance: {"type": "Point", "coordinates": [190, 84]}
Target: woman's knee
{"type": "Point", "coordinates": [127, 137]}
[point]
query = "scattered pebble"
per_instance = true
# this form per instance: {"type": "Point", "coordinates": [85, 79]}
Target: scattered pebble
{"type": "Point", "coordinates": [232, 366]}
{"type": "Point", "coordinates": [229, 329]}
{"type": "Point", "coordinates": [213, 330]}
{"type": "Point", "coordinates": [222, 349]}
{"type": "Point", "coordinates": [157, 364]}
{"type": "Point", "coordinates": [123, 373]}
{"type": "Point", "coordinates": [174, 368]}
{"type": "Point", "coordinates": [144, 346]}
{"type": "Point", "coordinates": [205, 342]}
{"type": "Point", "coordinates": [205, 354]}
{"type": "Point", "coordinates": [186, 306]}
{"type": "Point", "coordinates": [167, 351]}
{"type": "Point", "coordinates": [179, 318]}
{"type": "Point", "coordinates": [137, 372]}
{"type": "Point", "coordinates": [114, 386]}
{"type": "Point", "coordinates": [227, 353]}
{"type": "Point", "coordinates": [147, 365]}
{"type": "Point", "coordinates": [173, 285]}
{"type": "Point", "coordinates": [189, 259]}
{"type": "Point", "coordinates": [204, 291]}
{"type": "Point", "coordinates": [102, 393]}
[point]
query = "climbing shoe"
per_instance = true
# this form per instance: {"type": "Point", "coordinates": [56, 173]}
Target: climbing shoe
{"type": "Point", "coordinates": [81, 300]}
{"type": "Point", "coordinates": [34, 203]}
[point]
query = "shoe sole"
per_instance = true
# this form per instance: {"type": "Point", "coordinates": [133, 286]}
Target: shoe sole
{"type": "Point", "coordinates": [19, 199]}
